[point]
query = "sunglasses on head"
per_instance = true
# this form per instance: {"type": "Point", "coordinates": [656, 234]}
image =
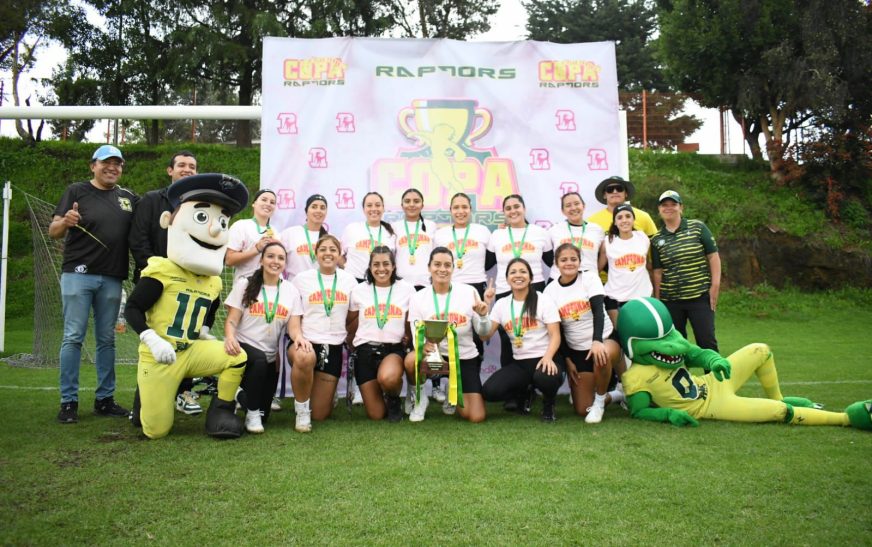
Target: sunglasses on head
{"type": "Point", "coordinates": [614, 188]}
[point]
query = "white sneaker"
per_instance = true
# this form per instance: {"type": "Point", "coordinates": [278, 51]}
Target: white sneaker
{"type": "Point", "coordinates": [594, 414]}
{"type": "Point", "coordinates": [439, 393]}
{"type": "Point", "coordinates": [303, 422]}
{"type": "Point", "coordinates": [358, 398]}
{"type": "Point", "coordinates": [447, 408]}
{"type": "Point", "coordinates": [186, 403]}
{"type": "Point", "coordinates": [420, 409]}
{"type": "Point", "coordinates": [276, 404]}
{"type": "Point", "coordinates": [409, 403]}
{"type": "Point", "coordinates": [253, 424]}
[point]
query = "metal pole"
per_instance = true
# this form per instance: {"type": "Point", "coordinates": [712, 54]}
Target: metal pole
{"type": "Point", "coordinates": [7, 198]}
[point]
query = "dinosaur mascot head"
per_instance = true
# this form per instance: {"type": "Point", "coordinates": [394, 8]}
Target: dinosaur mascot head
{"type": "Point", "coordinates": [647, 335]}
{"type": "Point", "coordinates": [197, 229]}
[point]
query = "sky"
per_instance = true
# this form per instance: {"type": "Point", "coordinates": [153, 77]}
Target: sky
{"type": "Point", "coordinates": [507, 25]}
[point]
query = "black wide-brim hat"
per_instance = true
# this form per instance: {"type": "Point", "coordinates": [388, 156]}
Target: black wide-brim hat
{"type": "Point", "coordinates": [600, 192]}
{"type": "Point", "coordinates": [223, 190]}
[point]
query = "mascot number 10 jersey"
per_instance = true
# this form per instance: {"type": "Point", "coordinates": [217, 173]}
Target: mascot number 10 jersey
{"type": "Point", "coordinates": [669, 388]}
{"type": "Point", "coordinates": [178, 314]}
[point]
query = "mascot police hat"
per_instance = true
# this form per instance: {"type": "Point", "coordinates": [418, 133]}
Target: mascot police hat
{"type": "Point", "coordinates": [217, 188]}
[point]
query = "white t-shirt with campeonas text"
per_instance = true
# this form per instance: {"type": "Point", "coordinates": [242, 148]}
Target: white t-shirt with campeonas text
{"type": "Point", "coordinates": [417, 273]}
{"type": "Point", "coordinates": [318, 327]}
{"type": "Point", "coordinates": [367, 325]}
{"type": "Point", "coordinates": [471, 270]}
{"type": "Point", "coordinates": [628, 275]}
{"type": "Point", "coordinates": [357, 240]}
{"type": "Point", "coordinates": [460, 312]}
{"type": "Point", "coordinates": [534, 331]}
{"type": "Point", "coordinates": [535, 243]}
{"type": "Point", "coordinates": [589, 236]}
{"type": "Point", "coordinates": [299, 257]}
{"type": "Point", "coordinates": [574, 307]}
{"type": "Point", "coordinates": [244, 234]}
{"type": "Point", "coordinates": [253, 328]}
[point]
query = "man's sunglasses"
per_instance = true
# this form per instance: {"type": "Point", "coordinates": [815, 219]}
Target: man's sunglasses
{"type": "Point", "coordinates": [614, 188]}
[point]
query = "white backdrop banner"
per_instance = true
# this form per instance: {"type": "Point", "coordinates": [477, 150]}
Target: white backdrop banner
{"type": "Point", "coordinates": [345, 116]}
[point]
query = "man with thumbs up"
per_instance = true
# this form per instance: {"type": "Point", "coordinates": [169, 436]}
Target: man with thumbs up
{"type": "Point", "coordinates": [93, 217]}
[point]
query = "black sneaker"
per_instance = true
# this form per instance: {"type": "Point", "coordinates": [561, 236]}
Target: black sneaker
{"type": "Point", "coordinates": [108, 407]}
{"type": "Point", "coordinates": [549, 415]}
{"type": "Point", "coordinates": [69, 413]}
{"type": "Point", "coordinates": [395, 408]}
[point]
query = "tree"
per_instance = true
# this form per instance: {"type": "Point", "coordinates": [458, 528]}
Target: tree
{"type": "Point", "coordinates": [768, 62]}
{"type": "Point", "coordinates": [667, 127]}
{"type": "Point", "coordinates": [68, 87]}
{"type": "Point", "coordinates": [457, 19]}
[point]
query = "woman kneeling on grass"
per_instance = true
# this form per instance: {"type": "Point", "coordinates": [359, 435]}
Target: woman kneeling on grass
{"type": "Point", "coordinates": [316, 348]}
{"type": "Point", "coordinates": [532, 322]}
{"type": "Point", "coordinates": [378, 309]}
{"type": "Point", "coordinates": [584, 326]}
{"type": "Point", "coordinates": [460, 305]}
{"type": "Point", "coordinates": [258, 309]}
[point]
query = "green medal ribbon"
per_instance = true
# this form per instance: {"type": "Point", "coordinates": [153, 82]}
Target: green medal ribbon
{"type": "Point", "coordinates": [372, 244]}
{"type": "Point", "coordinates": [270, 314]}
{"type": "Point", "coordinates": [460, 251]}
{"type": "Point", "coordinates": [309, 243]}
{"type": "Point", "coordinates": [381, 318]}
{"type": "Point", "coordinates": [443, 315]}
{"type": "Point", "coordinates": [328, 301]}
{"type": "Point", "coordinates": [257, 226]}
{"type": "Point", "coordinates": [577, 242]}
{"type": "Point", "coordinates": [413, 243]}
{"type": "Point", "coordinates": [519, 248]}
{"type": "Point", "coordinates": [455, 382]}
{"type": "Point", "coordinates": [516, 325]}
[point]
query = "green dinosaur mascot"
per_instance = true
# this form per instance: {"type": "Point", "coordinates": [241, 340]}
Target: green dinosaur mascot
{"type": "Point", "coordinates": [660, 388]}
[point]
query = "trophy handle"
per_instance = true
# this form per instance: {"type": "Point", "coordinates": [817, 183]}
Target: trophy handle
{"type": "Point", "coordinates": [403, 119]}
{"type": "Point", "coordinates": [486, 120]}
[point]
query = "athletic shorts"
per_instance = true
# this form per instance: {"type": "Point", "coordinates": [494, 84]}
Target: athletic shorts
{"type": "Point", "coordinates": [368, 357]}
{"type": "Point", "coordinates": [612, 304]}
{"type": "Point", "coordinates": [333, 364]}
{"type": "Point", "coordinates": [470, 374]}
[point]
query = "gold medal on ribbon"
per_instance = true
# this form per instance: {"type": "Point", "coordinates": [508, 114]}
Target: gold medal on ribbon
{"type": "Point", "coordinates": [459, 263]}
{"type": "Point", "coordinates": [519, 341]}
{"type": "Point", "coordinates": [412, 260]}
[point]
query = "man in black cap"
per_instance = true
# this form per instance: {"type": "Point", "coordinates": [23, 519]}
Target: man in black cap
{"type": "Point", "coordinates": [93, 218]}
{"type": "Point", "coordinates": [148, 239]}
{"type": "Point", "coordinates": [175, 302]}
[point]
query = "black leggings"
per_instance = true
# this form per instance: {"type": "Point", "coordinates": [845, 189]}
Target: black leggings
{"type": "Point", "coordinates": [511, 381]}
{"type": "Point", "coordinates": [258, 381]}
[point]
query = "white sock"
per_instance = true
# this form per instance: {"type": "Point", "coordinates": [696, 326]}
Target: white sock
{"type": "Point", "coordinates": [301, 406]}
{"type": "Point", "coordinates": [617, 396]}
{"type": "Point", "coordinates": [599, 400]}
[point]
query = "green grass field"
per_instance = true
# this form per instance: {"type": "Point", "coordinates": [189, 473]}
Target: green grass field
{"type": "Point", "coordinates": [511, 480]}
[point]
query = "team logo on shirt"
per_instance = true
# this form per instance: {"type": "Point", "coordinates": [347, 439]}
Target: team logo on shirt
{"type": "Point", "coordinates": [526, 248]}
{"type": "Point", "coordinates": [575, 309]}
{"type": "Point", "coordinates": [586, 244]}
{"type": "Point", "coordinates": [630, 262]}
{"type": "Point", "coordinates": [125, 204]}
{"type": "Point", "coordinates": [527, 324]}
{"type": "Point", "coordinates": [318, 298]}
{"type": "Point", "coordinates": [423, 239]}
{"type": "Point", "coordinates": [257, 310]}
{"type": "Point", "coordinates": [302, 250]}
{"type": "Point", "coordinates": [395, 312]}
{"type": "Point", "coordinates": [470, 244]}
{"type": "Point", "coordinates": [457, 318]}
